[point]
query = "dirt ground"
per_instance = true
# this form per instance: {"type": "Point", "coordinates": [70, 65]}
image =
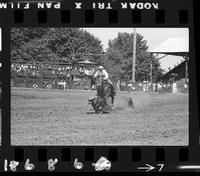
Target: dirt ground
{"type": "Point", "coordinates": [55, 117]}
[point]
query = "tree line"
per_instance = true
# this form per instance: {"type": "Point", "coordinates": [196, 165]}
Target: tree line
{"type": "Point", "coordinates": [75, 44]}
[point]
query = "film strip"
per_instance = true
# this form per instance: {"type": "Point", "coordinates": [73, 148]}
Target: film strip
{"type": "Point", "coordinates": [36, 143]}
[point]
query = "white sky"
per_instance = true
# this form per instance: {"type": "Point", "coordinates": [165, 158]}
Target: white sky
{"type": "Point", "coordinates": [154, 37]}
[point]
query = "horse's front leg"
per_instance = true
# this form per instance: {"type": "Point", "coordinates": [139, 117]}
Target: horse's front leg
{"type": "Point", "coordinates": [112, 100]}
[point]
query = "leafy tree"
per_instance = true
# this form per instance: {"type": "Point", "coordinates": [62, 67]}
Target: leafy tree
{"type": "Point", "coordinates": [119, 55]}
{"type": "Point", "coordinates": [75, 44]}
{"type": "Point", "coordinates": [37, 50]}
{"type": "Point", "coordinates": [54, 44]}
{"type": "Point", "coordinates": [20, 37]}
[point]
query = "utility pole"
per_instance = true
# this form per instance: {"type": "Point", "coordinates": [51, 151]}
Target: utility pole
{"type": "Point", "coordinates": [151, 72]}
{"type": "Point", "coordinates": [186, 68]}
{"type": "Point", "coordinates": [134, 55]}
{"type": "Point", "coordinates": [102, 57]}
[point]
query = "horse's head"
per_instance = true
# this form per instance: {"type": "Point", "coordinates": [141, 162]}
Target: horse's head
{"type": "Point", "coordinates": [103, 88]}
{"type": "Point", "coordinates": [100, 84]}
{"type": "Point", "coordinates": [100, 81]}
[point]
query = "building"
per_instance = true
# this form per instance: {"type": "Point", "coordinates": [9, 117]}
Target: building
{"type": "Point", "coordinates": [178, 77]}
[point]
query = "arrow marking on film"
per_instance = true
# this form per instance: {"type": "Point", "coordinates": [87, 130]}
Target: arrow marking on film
{"type": "Point", "coordinates": [148, 168]}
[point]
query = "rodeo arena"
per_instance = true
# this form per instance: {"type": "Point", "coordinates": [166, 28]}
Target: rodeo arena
{"type": "Point", "coordinates": [62, 104]}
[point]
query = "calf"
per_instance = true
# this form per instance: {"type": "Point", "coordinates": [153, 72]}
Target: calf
{"type": "Point", "coordinates": [97, 103]}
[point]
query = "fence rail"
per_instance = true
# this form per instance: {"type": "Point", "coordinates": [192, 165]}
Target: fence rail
{"type": "Point", "coordinates": [46, 75]}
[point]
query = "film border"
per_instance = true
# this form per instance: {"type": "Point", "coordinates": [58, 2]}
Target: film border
{"type": "Point", "coordinates": [172, 15]}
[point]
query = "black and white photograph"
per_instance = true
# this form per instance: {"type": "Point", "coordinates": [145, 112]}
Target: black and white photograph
{"type": "Point", "coordinates": [99, 86]}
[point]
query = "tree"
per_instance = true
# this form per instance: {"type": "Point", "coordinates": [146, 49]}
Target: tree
{"type": "Point", "coordinates": [75, 44]}
{"type": "Point", "coordinates": [20, 37]}
{"type": "Point", "coordinates": [113, 63]}
{"type": "Point", "coordinates": [37, 50]}
{"type": "Point", "coordinates": [54, 44]}
{"type": "Point", "coordinates": [119, 58]}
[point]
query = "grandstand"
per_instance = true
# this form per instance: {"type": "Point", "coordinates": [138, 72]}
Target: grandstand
{"type": "Point", "coordinates": [178, 76]}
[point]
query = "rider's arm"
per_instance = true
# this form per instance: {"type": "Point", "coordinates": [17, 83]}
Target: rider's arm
{"type": "Point", "coordinates": [95, 75]}
{"type": "Point", "coordinates": [106, 74]}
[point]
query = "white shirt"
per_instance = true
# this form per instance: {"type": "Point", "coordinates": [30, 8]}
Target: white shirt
{"type": "Point", "coordinates": [104, 72]}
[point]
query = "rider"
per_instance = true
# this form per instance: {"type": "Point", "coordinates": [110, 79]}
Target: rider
{"type": "Point", "coordinates": [102, 72]}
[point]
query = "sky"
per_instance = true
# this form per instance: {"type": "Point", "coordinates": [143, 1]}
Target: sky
{"type": "Point", "coordinates": [154, 37]}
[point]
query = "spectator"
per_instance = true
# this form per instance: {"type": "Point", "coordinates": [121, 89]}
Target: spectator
{"type": "Point", "coordinates": [118, 85]}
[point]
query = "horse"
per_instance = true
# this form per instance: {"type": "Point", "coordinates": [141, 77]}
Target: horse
{"type": "Point", "coordinates": [99, 102]}
{"type": "Point", "coordinates": [104, 89]}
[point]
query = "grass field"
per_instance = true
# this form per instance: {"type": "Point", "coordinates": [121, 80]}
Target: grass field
{"type": "Point", "coordinates": [53, 117]}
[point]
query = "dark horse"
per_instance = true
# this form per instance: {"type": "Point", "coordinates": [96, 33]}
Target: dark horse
{"type": "Point", "coordinates": [104, 90]}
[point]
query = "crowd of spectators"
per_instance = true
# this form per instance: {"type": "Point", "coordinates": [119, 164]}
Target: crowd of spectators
{"type": "Point", "coordinates": [145, 86]}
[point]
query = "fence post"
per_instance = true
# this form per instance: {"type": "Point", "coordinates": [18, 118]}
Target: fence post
{"type": "Point", "coordinates": [56, 79]}
{"type": "Point", "coordinates": [27, 76]}
{"type": "Point", "coordinates": [71, 82]}
{"type": "Point", "coordinates": [15, 78]}
{"type": "Point", "coordinates": [41, 76]}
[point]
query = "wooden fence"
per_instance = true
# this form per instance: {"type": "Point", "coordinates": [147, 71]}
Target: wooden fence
{"type": "Point", "coordinates": [46, 75]}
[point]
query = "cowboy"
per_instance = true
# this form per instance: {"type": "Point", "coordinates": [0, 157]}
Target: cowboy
{"type": "Point", "coordinates": [102, 72]}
